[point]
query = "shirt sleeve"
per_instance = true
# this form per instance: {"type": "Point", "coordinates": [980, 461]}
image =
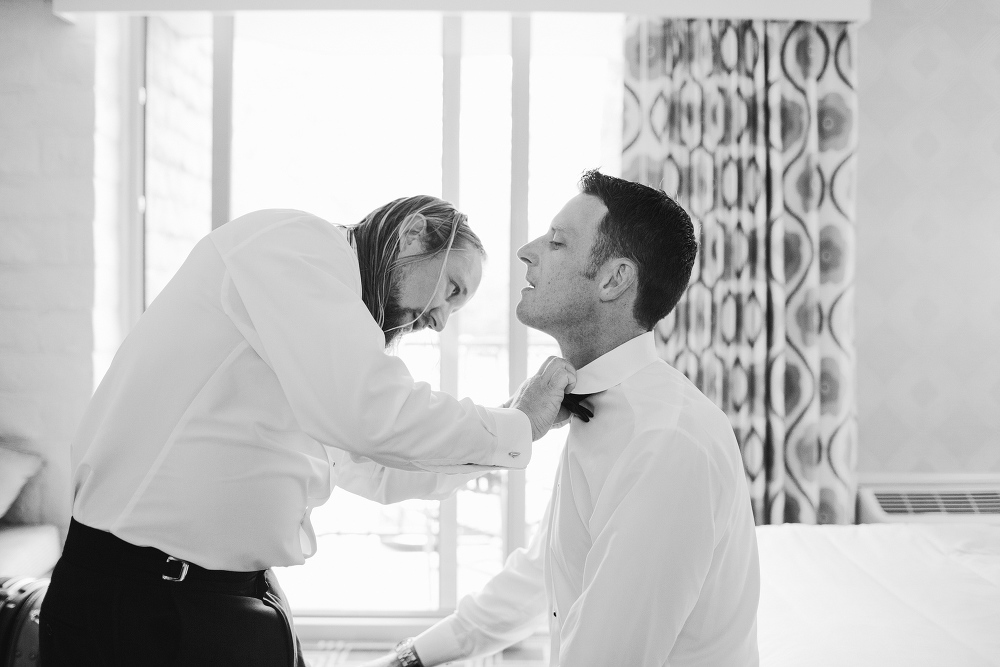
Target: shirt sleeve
{"type": "Point", "coordinates": [508, 609]}
{"type": "Point", "coordinates": [295, 296]}
{"type": "Point", "coordinates": [652, 550]}
{"type": "Point", "coordinates": [365, 478]}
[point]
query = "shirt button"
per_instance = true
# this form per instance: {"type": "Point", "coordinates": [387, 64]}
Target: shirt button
{"type": "Point", "coordinates": [553, 615]}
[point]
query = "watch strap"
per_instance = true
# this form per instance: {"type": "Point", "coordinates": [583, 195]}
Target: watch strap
{"type": "Point", "coordinates": [406, 654]}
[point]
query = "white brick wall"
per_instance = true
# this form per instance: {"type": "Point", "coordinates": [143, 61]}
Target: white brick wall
{"type": "Point", "coordinates": [46, 245]}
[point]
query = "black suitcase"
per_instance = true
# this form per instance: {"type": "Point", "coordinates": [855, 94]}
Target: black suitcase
{"type": "Point", "coordinates": [20, 601]}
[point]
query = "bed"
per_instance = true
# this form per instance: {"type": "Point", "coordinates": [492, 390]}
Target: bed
{"type": "Point", "coordinates": [879, 595]}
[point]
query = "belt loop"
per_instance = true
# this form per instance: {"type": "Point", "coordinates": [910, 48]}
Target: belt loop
{"type": "Point", "coordinates": [184, 570]}
{"type": "Point", "coordinates": [260, 584]}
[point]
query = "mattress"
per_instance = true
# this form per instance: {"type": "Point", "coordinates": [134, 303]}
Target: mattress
{"type": "Point", "coordinates": [879, 595]}
{"type": "Point", "coordinates": [31, 551]}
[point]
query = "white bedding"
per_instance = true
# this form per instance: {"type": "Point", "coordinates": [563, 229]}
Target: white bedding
{"type": "Point", "coordinates": [879, 595]}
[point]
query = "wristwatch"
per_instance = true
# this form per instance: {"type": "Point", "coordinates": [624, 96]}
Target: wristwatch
{"type": "Point", "coordinates": [407, 655]}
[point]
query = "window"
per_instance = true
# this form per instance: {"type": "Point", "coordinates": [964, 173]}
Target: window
{"type": "Point", "coordinates": [337, 113]}
{"type": "Point", "coordinates": [178, 143]}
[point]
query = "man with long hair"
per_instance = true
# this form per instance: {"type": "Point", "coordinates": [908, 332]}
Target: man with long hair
{"type": "Point", "coordinates": [647, 554]}
{"type": "Point", "coordinates": [221, 423]}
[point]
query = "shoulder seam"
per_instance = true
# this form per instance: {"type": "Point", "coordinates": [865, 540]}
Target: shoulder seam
{"type": "Point", "coordinates": [269, 228]}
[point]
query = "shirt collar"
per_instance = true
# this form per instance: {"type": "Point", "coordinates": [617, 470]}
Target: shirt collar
{"type": "Point", "coordinates": [616, 366]}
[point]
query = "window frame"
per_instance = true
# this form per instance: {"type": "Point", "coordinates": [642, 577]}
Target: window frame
{"type": "Point", "coordinates": [372, 625]}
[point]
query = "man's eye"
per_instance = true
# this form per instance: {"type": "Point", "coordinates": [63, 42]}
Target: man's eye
{"type": "Point", "coordinates": [555, 244]}
{"type": "Point", "coordinates": [455, 291]}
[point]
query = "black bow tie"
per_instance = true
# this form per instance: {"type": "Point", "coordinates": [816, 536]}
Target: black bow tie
{"type": "Point", "coordinates": [572, 403]}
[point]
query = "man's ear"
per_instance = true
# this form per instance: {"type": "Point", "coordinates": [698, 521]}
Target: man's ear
{"type": "Point", "coordinates": [620, 274]}
{"type": "Point", "coordinates": [411, 234]}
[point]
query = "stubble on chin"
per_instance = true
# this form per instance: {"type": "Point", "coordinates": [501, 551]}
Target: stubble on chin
{"type": "Point", "coordinates": [525, 316]}
{"type": "Point", "coordinates": [394, 317]}
{"type": "Point", "coordinates": [521, 313]}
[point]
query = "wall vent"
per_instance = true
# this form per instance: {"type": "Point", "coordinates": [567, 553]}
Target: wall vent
{"type": "Point", "coordinates": [949, 503]}
{"type": "Point", "coordinates": [929, 502]}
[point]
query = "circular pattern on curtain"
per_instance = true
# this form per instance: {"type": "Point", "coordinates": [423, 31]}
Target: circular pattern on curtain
{"type": "Point", "coordinates": [751, 126]}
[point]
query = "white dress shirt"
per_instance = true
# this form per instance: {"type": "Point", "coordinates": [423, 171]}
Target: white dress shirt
{"type": "Point", "coordinates": [255, 371]}
{"type": "Point", "coordinates": [647, 553]}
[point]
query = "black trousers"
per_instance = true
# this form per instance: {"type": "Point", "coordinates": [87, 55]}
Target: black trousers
{"type": "Point", "coordinates": [109, 605]}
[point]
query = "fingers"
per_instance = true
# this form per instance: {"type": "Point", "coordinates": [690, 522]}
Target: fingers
{"type": "Point", "coordinates": [559, 374]}
{"type": "Point", "coordinates": [562, 417]}
{"type": "Point", "coordinates": [566, 379]}
{"type": "Point", "coordinates": [545, 370]}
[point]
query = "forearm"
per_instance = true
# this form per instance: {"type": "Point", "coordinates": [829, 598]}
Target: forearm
{"type": "Point", "coordinates": [384, 485]}
{"type": "Point", "coordinates": [451, 639]}
{"type": "Point", "coordinates": [507, 610]}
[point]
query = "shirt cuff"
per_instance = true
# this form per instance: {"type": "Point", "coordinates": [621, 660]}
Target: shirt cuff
{"type": "Point", "coordinates": [438, 644]}
{"type": "Point", "coordinates": [513, 432]}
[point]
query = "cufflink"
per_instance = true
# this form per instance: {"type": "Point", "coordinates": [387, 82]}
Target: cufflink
{"type": "Point", "coordinates": [514, 455]}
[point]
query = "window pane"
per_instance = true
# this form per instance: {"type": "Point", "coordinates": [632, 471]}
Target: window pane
{"type": "Point", "coordinates": [372, 557]}
{"type": "Point", "coordinates": [178, 142]}
{"type": "Point", "coordinates": [485, 197]}
{"type": "Point", "coordinates": [337, 113]}
{"type": "Point", "coordinates": [369, 558]}
{"type": "Point", "coordinates": [576, 106]}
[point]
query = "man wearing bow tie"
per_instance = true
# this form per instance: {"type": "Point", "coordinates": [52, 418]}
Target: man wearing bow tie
{"type": "Point", "coordinates": [646, 554]}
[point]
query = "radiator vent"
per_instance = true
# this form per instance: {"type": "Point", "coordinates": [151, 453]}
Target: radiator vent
{"type": "Point", "coordinates": [984, 502]}
{"type": "Point", "coordinates": [930, 500]}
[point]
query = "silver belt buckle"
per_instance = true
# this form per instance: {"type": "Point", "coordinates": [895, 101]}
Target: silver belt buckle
{"type": "Point", "coordinates": [184, 570]}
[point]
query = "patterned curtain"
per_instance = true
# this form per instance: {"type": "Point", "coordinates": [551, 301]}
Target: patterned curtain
{"type": "Point", "coordinates": [752, 126]}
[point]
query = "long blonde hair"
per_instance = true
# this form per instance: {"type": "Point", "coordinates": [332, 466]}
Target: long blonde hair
{"type": "Point", "coordinates": [376, 239]}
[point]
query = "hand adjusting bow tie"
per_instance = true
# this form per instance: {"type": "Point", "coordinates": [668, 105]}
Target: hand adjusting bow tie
{"type": "Point", "coordinates": [572, 403]}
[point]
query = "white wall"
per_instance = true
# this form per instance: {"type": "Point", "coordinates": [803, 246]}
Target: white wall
{"type": "Point", "coordinates": [928, 275]}
{"type": "Point", "coordinates": [46, 244]}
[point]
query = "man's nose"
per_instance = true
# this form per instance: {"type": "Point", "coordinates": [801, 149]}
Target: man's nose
{"type": "Point", "coordinates": [525, 254]}
{"type": "Point", "coordinates": [440, 318]}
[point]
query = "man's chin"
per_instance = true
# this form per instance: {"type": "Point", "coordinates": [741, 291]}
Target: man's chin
{"type": "Point", "coordinates": [525, 317]}
{"type": "Point", "coordinates": [394, 335]}
{"type": "Point", "coordinates": [391, 339]}
{"type": "Point", "coordinates": [519, 313]}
